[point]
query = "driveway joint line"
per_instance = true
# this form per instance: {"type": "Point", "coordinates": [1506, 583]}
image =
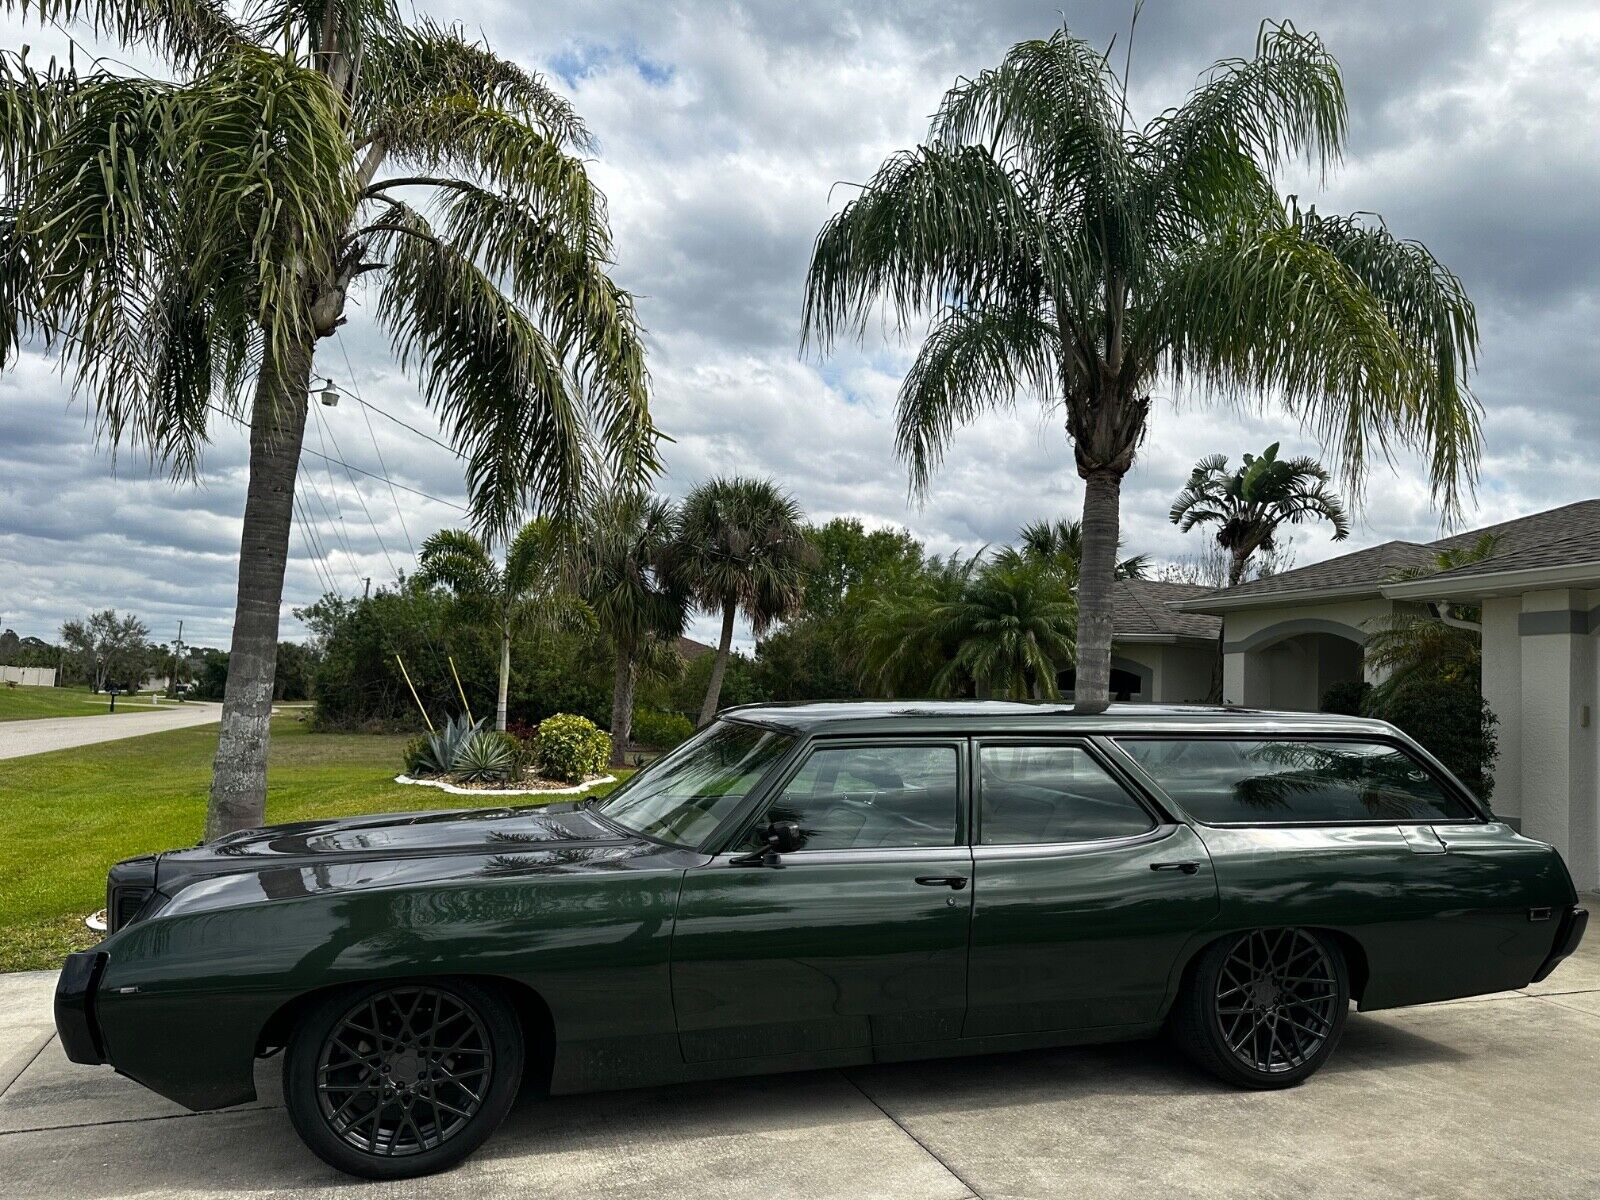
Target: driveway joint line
{"type": "Point", "coordinates": [186, 1116]}
{"type": "Point", "coordinates": [905, 1129]}
{"type": "Point", "coordinates": [32, 1058]}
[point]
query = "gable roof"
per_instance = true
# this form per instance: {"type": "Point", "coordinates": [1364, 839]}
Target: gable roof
{"type": "Point", "coordinates": [689, 649]}
{"type": "Point", "coordinates": [1552, 537]}
{"type": "Point", "coordinates": [1141, 611]}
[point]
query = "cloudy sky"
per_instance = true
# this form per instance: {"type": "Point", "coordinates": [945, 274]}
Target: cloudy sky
{"type": "Point", "coordinates": [722, 129]}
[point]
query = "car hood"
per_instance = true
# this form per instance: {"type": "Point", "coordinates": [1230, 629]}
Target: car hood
{"type": "Point", "coordinates": [390, 835]}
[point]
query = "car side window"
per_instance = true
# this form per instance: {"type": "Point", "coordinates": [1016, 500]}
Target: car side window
{"type": "Point", "coordinates": [1051, 793]}
{"type": "Point", "coordinates": [858, 797]}
{"type": "Point", "coordinates": [1226, 781]}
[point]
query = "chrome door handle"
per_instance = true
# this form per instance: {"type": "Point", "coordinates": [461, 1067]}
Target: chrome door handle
{"type": "Point", "coordinates": [1187, 868]}
{"type": "Point", "coordinates": [956, 882]}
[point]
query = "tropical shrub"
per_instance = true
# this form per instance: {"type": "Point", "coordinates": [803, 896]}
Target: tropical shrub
{"type": "Point", "coordinates": [572, 748]}
{"type": "Point", "coordinates": [1347, 698]}
{"type": "Point", "coordinates": [441, 748]}
{"type": "Point", "coordinates": [413, 755]}
{"type": "Point", "coordinates": [485, 757]}
{"type": "Point", "coordinates": [661, 730]}
{"type": "Point", "coordinates": [1452, 720]}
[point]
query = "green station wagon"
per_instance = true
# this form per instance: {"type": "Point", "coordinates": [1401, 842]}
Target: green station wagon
{"type": "Point", "coordinates": [818, 886]}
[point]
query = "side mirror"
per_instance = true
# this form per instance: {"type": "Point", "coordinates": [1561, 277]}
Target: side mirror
{"type": "Point", "coordinates": [784, 836]}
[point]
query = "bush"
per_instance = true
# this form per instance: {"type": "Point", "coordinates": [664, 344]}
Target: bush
{"type": "Point", "coordinates": [661, 730]}
{"type": "Point", "coordinates": [1452, 721]}
{"type": "Point", "coordinates": [572, 748]}
{"type": "Point", "coordinates": [486, 757]}
{"type": "Point", "coordinates": [414, 753]}
{"type": "Point", "coordinates": [1348, 698]}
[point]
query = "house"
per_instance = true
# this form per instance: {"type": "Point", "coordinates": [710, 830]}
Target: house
{"type": "Point", "coordinates": [1158, 654]}
{"type": "Point", "coordinates": [1288, 638]}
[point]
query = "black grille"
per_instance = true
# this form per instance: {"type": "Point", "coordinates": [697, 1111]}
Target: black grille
{"type": "Point", "coordinates": [124, 905]}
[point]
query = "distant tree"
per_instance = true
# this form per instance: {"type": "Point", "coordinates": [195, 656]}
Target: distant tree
{"type": "Point", "coordinates": [1059, 544]}
{"type": "Point", "coordinates": [850, 560]}
{"type": "Point", "coordinates": [626, 554]}
{"type": "Point", "coordinates": [741, 548]}
{"type": "Point", "coordinates": [106, 644]}
{"type": "Point", "coordinates": [530, 590]}
{"type": "Point", "coordinates": [1249, 504]}
{"type": "Point", "coordinates": [1060, 249]}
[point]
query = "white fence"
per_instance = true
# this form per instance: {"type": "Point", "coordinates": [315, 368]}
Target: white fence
{"type": "Point", "coordinates": [31, 676]}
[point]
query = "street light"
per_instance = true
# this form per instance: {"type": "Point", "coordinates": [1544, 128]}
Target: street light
{"type": "Point", "coordinates": [330, 394]}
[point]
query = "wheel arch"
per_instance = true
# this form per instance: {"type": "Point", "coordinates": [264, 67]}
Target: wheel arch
{"type": "Point", "coordinates": [1355, 958]}
{"type": "Point", "coordinates": [533, 1014]}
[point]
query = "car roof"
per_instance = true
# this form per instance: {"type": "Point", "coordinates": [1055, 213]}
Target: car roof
{"type": "Point", "coordinates": [1013, 716]}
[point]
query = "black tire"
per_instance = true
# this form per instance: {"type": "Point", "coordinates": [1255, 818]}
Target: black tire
{"type": "Point", "coordinates": [1264, 1008]}
{"type": "Point", "coordinates": [397, 1079]}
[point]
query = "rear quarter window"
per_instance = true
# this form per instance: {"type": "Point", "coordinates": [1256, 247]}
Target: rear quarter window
{"type": "Point", "coordinates": [1228, 781]}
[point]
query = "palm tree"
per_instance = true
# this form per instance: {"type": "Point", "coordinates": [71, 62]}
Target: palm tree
{"type": "Point", "coordinates": [1062, 249]}
{"type": "Point", "coordinates": [1012, 629]}
{"type": "Point", "coordinates": [635, 594]}
{"type": "Point", "coordinates": [742, 547]}
{"type": "Point", "coordinates": [1061, 544]}
{"type": "Point", "coordinates": [185, 244]}
{"type": "Point", "coordinates": [1249, 505]}
{"type": "Point", "coordinates": [1440, 644]}
{"type": "Point", "coordinates": [529, 591]}
{"type": "Point", "coordinates": [897, 644]}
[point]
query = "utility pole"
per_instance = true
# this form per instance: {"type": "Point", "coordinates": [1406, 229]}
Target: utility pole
{"type": "Point", "coordinates": [367, 590]}
{"type": "Point", "coordinates": [177, 650]}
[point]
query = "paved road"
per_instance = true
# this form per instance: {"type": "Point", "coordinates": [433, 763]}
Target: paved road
{"type": "Point", "coordinates": [18, 738]}
{"type": "Point", "coordinates": [1493, 1097]}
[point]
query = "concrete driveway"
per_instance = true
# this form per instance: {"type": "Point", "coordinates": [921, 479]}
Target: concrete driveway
{"type": "Point", "coordinates": [20, 738]}
{"type": "Point", "coordinates": [1497, 1097]}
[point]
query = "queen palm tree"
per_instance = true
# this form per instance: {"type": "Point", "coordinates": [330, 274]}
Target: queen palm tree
{"type": "Point", "coordinates": [186, 243]}
{"type": "Point", "coordinates": [1249, 505]}
{"type": "Point", "coordinates": [742, 548]}
{"type": "Point", "coordinates": [529, 591]}
{"type": "Point", "coordinates": [638, 599]}
{"type": "Point", "coordinates": [1062, 249]}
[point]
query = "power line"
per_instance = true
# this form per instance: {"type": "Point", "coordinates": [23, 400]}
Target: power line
{"type": "Point", "coordinates": [350, 367]}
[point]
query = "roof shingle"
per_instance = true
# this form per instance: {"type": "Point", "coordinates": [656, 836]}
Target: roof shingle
{"type": "Point", "coordinates": [1139, 608]}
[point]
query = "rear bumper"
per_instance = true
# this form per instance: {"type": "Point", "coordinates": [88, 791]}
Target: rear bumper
{"type": "Point", "coordinates": [1568, 934]}
{"type": "Point", "coordinates": [75, 1016]}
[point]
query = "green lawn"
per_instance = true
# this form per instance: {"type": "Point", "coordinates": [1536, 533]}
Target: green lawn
{"type": "Point", "coordinates": [66, 817]}
{"type": "Point", "coordinates": [24, 703]}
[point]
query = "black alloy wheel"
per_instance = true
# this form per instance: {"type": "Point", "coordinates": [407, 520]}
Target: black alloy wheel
{"type": "Point", "coordinates": [403, 1079]}
{"type": "Point", "coordinates": [1264, 1008]}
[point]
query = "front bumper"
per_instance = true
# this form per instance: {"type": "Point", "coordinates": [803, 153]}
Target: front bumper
{"type": "Point", "coordinates": [75, 1015]}
{"type": "Point", "coordinates": [1568, 934]}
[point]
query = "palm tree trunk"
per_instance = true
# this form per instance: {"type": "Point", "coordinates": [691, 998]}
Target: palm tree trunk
{"type": "Point", "coordinates": [720, 666]}
{"type": "Point", "coordinates": [621, 707]}
{"type": "Point", "coordinates": [505, 679]}
{"type": "Point", "coordinates": [1237, 561]}
{"type": "Point", "coordinates": [1102, 503]}
{"type": "Point", "coordinates": [277, 425]}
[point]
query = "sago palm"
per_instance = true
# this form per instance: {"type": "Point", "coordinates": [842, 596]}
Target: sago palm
{"type": "Point", "coordinates": [1250, 504]}
{"type": "Point", "coordinates": [742, 548]}
{"type": "Point", "coordinates": [626, 562]}
{"type": "Point", "coordinates": [530, 590]}
{"type": "Point", "coordinates": [186, 243]}
{"type": "Point", "coordinates": [1062, 249]}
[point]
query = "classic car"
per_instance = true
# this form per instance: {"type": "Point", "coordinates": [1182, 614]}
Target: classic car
{"type": "Point", "coordinates": [820, 885]}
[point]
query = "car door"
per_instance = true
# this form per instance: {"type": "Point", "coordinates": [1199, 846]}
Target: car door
{"type": "Point", "coordinates": [1084, 894]}
{"type": "Point", "coordinates": [857, 938]}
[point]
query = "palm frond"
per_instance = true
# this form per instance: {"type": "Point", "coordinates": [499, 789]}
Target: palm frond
{"type": "Point", "coordinates": [974, 360]}
{"type": "Point", "coordinates": [189, 33]}
{"type": "Point", "coordinates": [499, 385]}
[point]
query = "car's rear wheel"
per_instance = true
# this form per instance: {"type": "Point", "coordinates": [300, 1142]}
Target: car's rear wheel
{"type": "Point", "coordinates": [399, 1079]}
{"type": "Point", "coordinates": [1264, 1009]}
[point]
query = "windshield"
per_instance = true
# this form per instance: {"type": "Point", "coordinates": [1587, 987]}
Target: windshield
{"type": "Point", "coordinates": [683, 797]}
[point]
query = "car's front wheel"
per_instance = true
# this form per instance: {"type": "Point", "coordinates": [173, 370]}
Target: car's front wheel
{"type": "Point", "coordinates": [1265, 1008]}
{"type": "Point", "coordinates": [399, 1079]}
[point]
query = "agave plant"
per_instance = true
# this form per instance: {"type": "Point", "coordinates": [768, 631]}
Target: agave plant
{"type": "Point", "coordinates": [443, 747]}
{"type": "Point", "coordinates": [485, 757]}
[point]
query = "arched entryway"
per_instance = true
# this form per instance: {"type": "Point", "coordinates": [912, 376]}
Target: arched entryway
{"type": "Point", "coordinates": [1291, 665]}
{"type": "Point", "coordinates": [1129, 680]}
